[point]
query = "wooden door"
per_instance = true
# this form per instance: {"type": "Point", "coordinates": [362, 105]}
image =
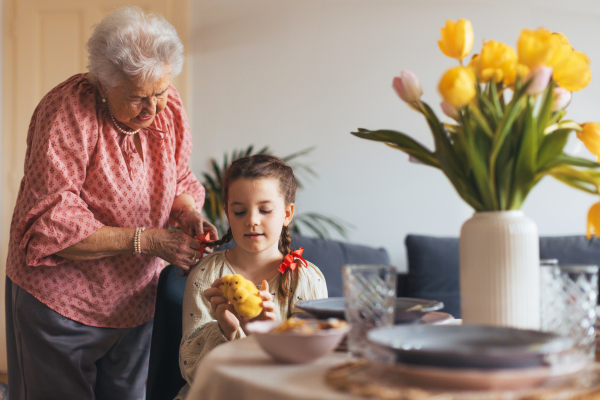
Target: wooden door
{"type": "Point", "coordinates": [44, 44]}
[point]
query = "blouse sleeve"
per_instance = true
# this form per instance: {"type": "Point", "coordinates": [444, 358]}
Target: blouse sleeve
{"type": "Point", "coordinates": [311, 286]}
{"type": "Point", "coordinates": [186, 180]}
{"type": "Point", "coordinates": [62, 135]}
{"type": "Point", "coordinates": [201, 332]}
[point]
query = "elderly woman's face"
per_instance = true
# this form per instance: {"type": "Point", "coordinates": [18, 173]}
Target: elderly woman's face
{"type": "Point", "coordinates": [136, 106]}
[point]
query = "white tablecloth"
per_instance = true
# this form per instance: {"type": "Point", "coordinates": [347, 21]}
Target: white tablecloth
{"type": "Point", "coordinates": [241, 370]}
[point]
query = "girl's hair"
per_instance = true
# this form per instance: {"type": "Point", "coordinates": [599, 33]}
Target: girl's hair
{"type": "Point", "coordinates": [129, 43]}
{"type": "Point", "coordinates": [261, 166]}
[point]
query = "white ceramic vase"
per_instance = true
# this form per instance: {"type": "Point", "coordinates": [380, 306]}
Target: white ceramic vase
{"type": "Point", "coordinates": [500, 270]}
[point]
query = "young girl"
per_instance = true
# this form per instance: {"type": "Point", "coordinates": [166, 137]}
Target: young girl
{"type": "Point", "coordinates": [258, 195]}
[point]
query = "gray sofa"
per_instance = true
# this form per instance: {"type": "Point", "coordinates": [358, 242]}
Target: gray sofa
{"type": "Point", "coordinates": [433, 264]}
{"type": "Point", "coordinates": [164, 377]}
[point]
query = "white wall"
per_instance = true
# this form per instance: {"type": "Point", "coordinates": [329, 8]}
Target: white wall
{"type": "Point", "coordinates": [300, 73]}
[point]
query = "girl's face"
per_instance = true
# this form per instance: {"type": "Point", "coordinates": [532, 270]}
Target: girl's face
{"type": "Point", "coordinates": [256, 212]}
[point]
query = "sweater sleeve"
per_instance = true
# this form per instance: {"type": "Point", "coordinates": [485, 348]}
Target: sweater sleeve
{"type": "Point", "coordinates": [201, 332]}
{"type": "Point", "coordinates": [311, 286]}
{"type": "Point", "coordinates": [62, 135]}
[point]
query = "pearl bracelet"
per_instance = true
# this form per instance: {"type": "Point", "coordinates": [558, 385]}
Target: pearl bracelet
{"type": "Point", "coordinates": [137, 245]}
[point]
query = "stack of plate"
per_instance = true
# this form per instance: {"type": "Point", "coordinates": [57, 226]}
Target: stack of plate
{"type": "Point", "coordinates": [479, 357]}
{"type": "Point", "coordinates": [407, 310]}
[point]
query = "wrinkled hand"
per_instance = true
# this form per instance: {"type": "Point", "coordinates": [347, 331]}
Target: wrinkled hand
{"type": "Point", "coordinates": [268, 311]}
{"type": "Point", "coordinates": [223, 311]}
{"type": "Point", "coordinates": [172, 245]}
{"type": "Point", "coordinates": [193, 224]}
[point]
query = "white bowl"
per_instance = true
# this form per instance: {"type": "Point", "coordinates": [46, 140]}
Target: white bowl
{"type": "Point", "coordinates": [292, 347]}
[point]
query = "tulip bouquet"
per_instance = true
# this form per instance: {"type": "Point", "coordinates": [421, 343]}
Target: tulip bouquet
{"type": "Point", "coordinates": [508, 110]}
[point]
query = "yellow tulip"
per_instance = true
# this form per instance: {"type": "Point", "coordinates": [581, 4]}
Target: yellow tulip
{"type": "Point", "coordinates": [457, 39]}
{"type": "Point", "coordinates": [562, 49]}
{"type": "Point", "coordinates": [593, 221]}
{"type": "Point", "coordinates": [520, 71]}
{"type": "Point", "coordinates": [457, 86]}
{"type": "Point", "coordinates": [496, 62]}
{"type": "Point", "coordinates": [544, 48]}
{"type": "Point", "coordinates": [536, 48]}
{"type": "Point", "coordinates": [590, 136]}
{"type": "Point", "coordinates": [573, 72]}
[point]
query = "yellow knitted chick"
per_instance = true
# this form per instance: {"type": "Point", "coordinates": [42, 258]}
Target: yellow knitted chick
{"type": "Point", "coordinates": [238, 281]}
{"type": "Point", "coordinates": [246, 304]}
{"type": "Point", "coordinates": [225, 286]}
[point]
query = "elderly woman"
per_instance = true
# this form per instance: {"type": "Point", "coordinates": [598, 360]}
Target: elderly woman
{"type": "Point", "coordinates": [106, 169]}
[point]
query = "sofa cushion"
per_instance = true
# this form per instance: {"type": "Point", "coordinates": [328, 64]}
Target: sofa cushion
{"type": "Point", "coordinates": [571, 249]}
{"type": "Point", "coordinates": [331, 255]}
{"type": "Point", "coordinates": [433, 271]}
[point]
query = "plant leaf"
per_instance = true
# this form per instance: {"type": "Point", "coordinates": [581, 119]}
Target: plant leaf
{"type": "Point", "coordinates": [454, 168]}
{"type": "Point", "coordinates": [552, 146]}
{"type": "Point", "coordinates": [476, 155]}
{"type": "Point", "coordinates": [402, 142]}
{"type": "Point", "coordinates": [545, 111]}
{"type": "Point", "coordinates": [299, 153]}
{"type": "Point", "coordinates": [526, 159]}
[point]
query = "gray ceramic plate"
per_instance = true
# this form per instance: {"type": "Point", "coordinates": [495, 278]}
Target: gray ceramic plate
{"type": "Point", "coordinates": [407, 309]}
{"type": "Point", "coordinates": [469, 346]}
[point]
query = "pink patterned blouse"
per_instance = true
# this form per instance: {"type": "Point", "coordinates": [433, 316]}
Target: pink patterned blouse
{"type": "Point", "coordinates": [81, 174]}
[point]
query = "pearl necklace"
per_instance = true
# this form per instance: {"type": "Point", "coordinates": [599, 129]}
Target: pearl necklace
{"type": "Point", "coordinates": [130, 133]}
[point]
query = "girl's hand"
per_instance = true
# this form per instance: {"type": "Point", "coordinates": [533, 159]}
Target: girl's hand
{"type": "Point", "coordinates": [172, 245]}
{"type": "Point", "coordinates": [222, 310]}
{"type": "Point", "coordinates": [268, 311]}
{"type": "Point", "coordinates": [193, 224]}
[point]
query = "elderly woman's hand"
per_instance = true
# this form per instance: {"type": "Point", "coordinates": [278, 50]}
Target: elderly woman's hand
{"type": "Point", "coordinates": [192, 223]}
{"type": "Point", "coordinates": [172, 245]}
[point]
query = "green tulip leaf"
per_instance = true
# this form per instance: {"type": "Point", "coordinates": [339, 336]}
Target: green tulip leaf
{"type": "Point", "coordinates": [400, 141]}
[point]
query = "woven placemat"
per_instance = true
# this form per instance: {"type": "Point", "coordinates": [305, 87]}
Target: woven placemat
{"type": "Point", "coordinates": [386, 382]}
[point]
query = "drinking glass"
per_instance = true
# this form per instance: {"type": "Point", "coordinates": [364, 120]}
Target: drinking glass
{"type": "Point", "coordinates": [568, 302]}
{"type": "Point", "coordinates": [370, 298]}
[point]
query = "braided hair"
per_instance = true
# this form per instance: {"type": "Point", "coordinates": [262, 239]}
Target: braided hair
{"type": "Point", "coordinates": [260, 166]}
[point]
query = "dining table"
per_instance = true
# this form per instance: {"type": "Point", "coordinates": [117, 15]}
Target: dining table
{"type": "Point", "coordinates": [241, 370]}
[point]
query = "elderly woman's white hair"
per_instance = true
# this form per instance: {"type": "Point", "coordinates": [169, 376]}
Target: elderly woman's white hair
{"type": "Point", "coordinates": [129, 43]}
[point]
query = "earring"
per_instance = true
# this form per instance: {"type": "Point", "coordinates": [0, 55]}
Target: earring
{"type": "Point", "coordinates": [103, 100]}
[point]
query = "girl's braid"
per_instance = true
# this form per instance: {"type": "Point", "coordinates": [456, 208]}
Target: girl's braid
{"type": "Point", "coordinates": [285, 241]}
{"type": "Point", "coordinates": [289, 278]}
{"type": "Point", "coordinates": [227, 237]}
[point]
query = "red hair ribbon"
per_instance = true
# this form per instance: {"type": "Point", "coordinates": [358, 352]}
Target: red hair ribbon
{"type": "Point", "coordinates": [202, 241]}
{"type": "Point", "coordinates": [288, 261]}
